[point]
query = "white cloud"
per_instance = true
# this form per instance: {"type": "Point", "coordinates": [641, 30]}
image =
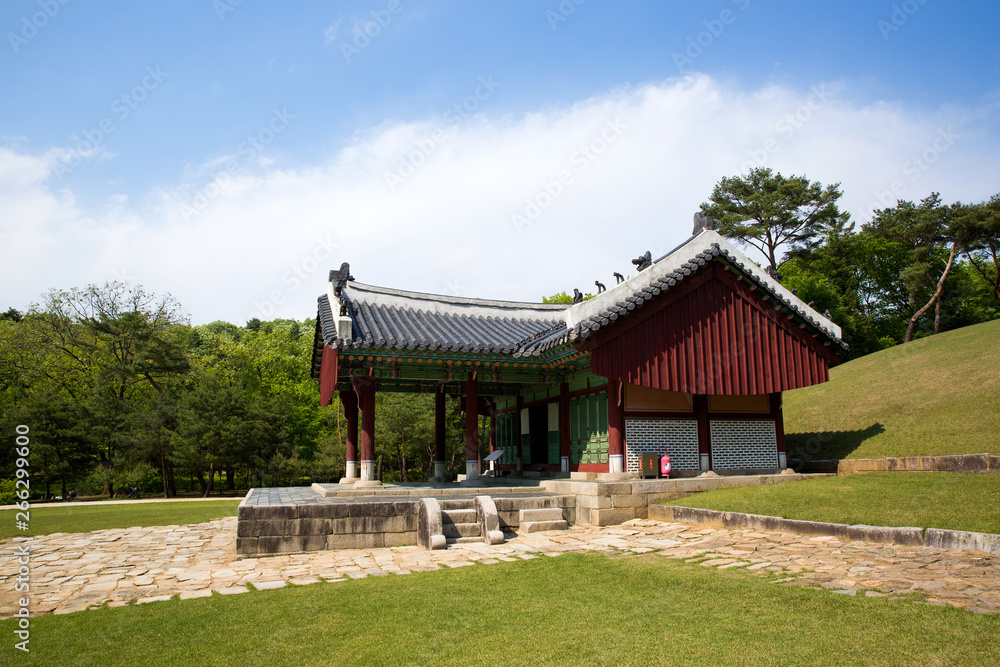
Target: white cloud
{"type": "Point", "coordinates": [265, 241]}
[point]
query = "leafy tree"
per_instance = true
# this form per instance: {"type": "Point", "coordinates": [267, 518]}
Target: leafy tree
{"type": "Point", "coordinates": [927, 228]}
{"type": "Point", "coordinates": [977, 228]}
{"type": "Point", "coordinates": [766, 210]}
{"type": "Point", "coordinates": [12, 314]}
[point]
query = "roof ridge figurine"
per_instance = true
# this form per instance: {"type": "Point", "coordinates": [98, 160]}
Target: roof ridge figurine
{"type": "Point", "coordinates": [644, 261]}
{"type": "Point", "coordinates": [703, 222]}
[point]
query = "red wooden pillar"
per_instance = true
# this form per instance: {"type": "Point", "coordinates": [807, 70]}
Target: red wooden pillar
{"type": "Point", "coordinates": [350, 402]}
{"type": "Point", "coordinates": [365, 388]}
{"type": "Point", "coordinates": [564, 427]}
{"type": "Point", "coordinates": [439, 407]}
{"type": "Point", "coordinates": [518, 406]}
{"type": "Point", "coordinates": [616, 427]}
{"type": "Point", "coordinates": [493, 426]}
{"type": "Point", "coordinates": [775, 401]}
{"type": "Point", "coordinates": [471, 428]}
{"type": "Point", "coordinates": [704, 431]}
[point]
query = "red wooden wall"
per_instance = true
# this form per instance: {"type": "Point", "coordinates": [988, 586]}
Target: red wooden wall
{"type": "Point", "coordinates": [328, 374]}
{"type": "Point", "coordinates": [710, 335]}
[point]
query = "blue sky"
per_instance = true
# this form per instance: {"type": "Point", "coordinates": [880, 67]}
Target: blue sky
{"type": "Point", "coordinates": [232, 152]}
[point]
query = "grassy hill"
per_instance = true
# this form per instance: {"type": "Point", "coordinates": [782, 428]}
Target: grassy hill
{"type": "Point", "coordinates": [933, 396]}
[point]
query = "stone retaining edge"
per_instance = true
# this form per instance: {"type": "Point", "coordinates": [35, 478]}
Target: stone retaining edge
{"type": "Point", "coordinates": [906, 536]}
{"type": "Point", "coordinates": [967, 463]}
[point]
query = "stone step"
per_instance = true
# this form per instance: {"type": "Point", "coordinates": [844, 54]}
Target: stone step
{"type": "Point", "coordinates": [459, 516]}
{"type": "Point", "coordinates": [461, 530]}
{"type": "Point", "coordinates": [463, 540]}
{"type": "Point", "coordinates": [457, 504]}
{"type": "Point", "coordinates": [544, 514]}
{"type": "Point", "coordinates": [539, 526]}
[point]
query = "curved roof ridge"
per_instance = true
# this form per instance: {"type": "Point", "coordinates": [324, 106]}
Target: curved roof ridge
{"type": "Point", "coordinates": [408, 296]}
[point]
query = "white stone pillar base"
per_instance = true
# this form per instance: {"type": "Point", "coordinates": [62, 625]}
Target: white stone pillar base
{"type": "Point", "coordinates": [351, 473]}
{"type": "Point", "coordinates": [471, 474]}
{"type": "Point", "coordinates": [704, 462]}
{"type": "Point", "coordinates": [367, 471]}
{"type": "Point", "coordinates": [564, 464]}
{"type": "Point", "coordinates": [440, 470]}
{"type": "Point", "coordinates": [782, 461]}
{"type": "Point", "coordinates": [520, 464]}
{"type": "Point", "coordinates": [616, 463]}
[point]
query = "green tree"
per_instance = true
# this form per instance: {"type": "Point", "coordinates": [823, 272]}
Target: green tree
{"type": "Point", "coordinates": [977, 228]}
{"type": "Point", "coordinates": [927, 228]}
{"type": "Point", "coordinates": [766, 210]}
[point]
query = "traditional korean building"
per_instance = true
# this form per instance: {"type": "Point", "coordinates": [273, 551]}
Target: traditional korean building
{"type": "Point", "coordinates": [690, 356]}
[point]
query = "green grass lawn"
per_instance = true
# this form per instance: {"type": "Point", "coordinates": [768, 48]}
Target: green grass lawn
{"type": "Point", "coordinates": [950, 500]}
{"type": "Point", "coordinates": [570, 610]}
{"type": "Point", "coordinates": [85, 517]}
{"type": "Point", "coordinates": [933, 396]}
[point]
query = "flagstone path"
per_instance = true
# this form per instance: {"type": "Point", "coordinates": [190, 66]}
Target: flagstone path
{"type": "Point", "coordinates": [73, 572]}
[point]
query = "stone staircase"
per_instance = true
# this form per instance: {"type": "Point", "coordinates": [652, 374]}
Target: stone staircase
{"type": "Point", "coordinates": [459, 523]}
{"type": "Point", "coordinates": [537, 520]}
{"type": "Point", "coordinates": [442, 522]}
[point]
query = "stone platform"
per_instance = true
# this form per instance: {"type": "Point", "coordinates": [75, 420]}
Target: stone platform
{"type": "Point", "coordinates": [296, 519]}
{"type": "Point", "coordinates": [336, 516]}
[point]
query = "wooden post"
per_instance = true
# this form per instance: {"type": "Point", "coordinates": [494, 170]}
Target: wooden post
{"type": "Point", "coordinates": [350, 402]}
{"type": "Point", "coordinates": [439, 410]}
{"type": "Point", "coordinates": [704, 431]}
{"type": "Point", "coordinates": [365, 388]}
{"type": "Point", "coordinates": [471, 428]}
{"type": "Point", "coordinates": [775, 401]}
{"type": "Point", "coordinates": [564, 427]}
{"type": "Point", "coordinates": [616, 427]}
{"type": "Point", "coordinates": [519, 405]}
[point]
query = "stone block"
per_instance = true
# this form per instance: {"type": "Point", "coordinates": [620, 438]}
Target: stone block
{"type": "Point", "coordinates": [314, 526]}
{"type": "Point", "coordinates": [540, 526]}
{"type": "Point", "coordinates": [960, 539]}
{"type": "Point", "coordinates": [246, 512]}
{"type": "Point", "coordinates": [391, 524]}
{"type": "Point", "coordinates": [587, 489]}
{"type": "Point", "coordinates": [323, 511]}
{"type": "Point", "coordinates": [510, 519]}
{"type": "Point", "coordinates": [373, 509]}
{"type": "Point", "coordinates": [246, 546]}
{"type": "Point", "coordinates": [546, 514]}
{"type": "Point", "coordinates": [407, 539]}
{"type": "Point", "coordinates": [489, 523]}
{"type": "Point", "coordinates": [612, 516]}
{"type": "Point", "coordinates": [355, 541]}
{"type": "Point", "coordinates": [430, 533]}
{"type": "Point", "coordinates": [290, 544]}
{"type": "Point", "coordinates": [347, 525]}
{"type": "Point", "coordinates": [661, 513]}
{"type": "Point", "coordinates": [406, 506]}
{"type": "Point", "coordinates": [273, 512]}
{"type": "Point", "coordinates": [246, 528]}
{"type": "Point", "coordinates": [630, 500]}
{"type": "Point", "coordinates": [641, 512]}
{"type": "Point", "coordinates": [273, 527]}
{"type": "Point", "coordinates": [593, 502]}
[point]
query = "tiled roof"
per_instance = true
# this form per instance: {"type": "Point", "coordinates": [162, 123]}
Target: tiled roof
{"type": "Point", "coordinates": [585, 318]}
{"type": "Point", "coordinates": [388, 318]}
